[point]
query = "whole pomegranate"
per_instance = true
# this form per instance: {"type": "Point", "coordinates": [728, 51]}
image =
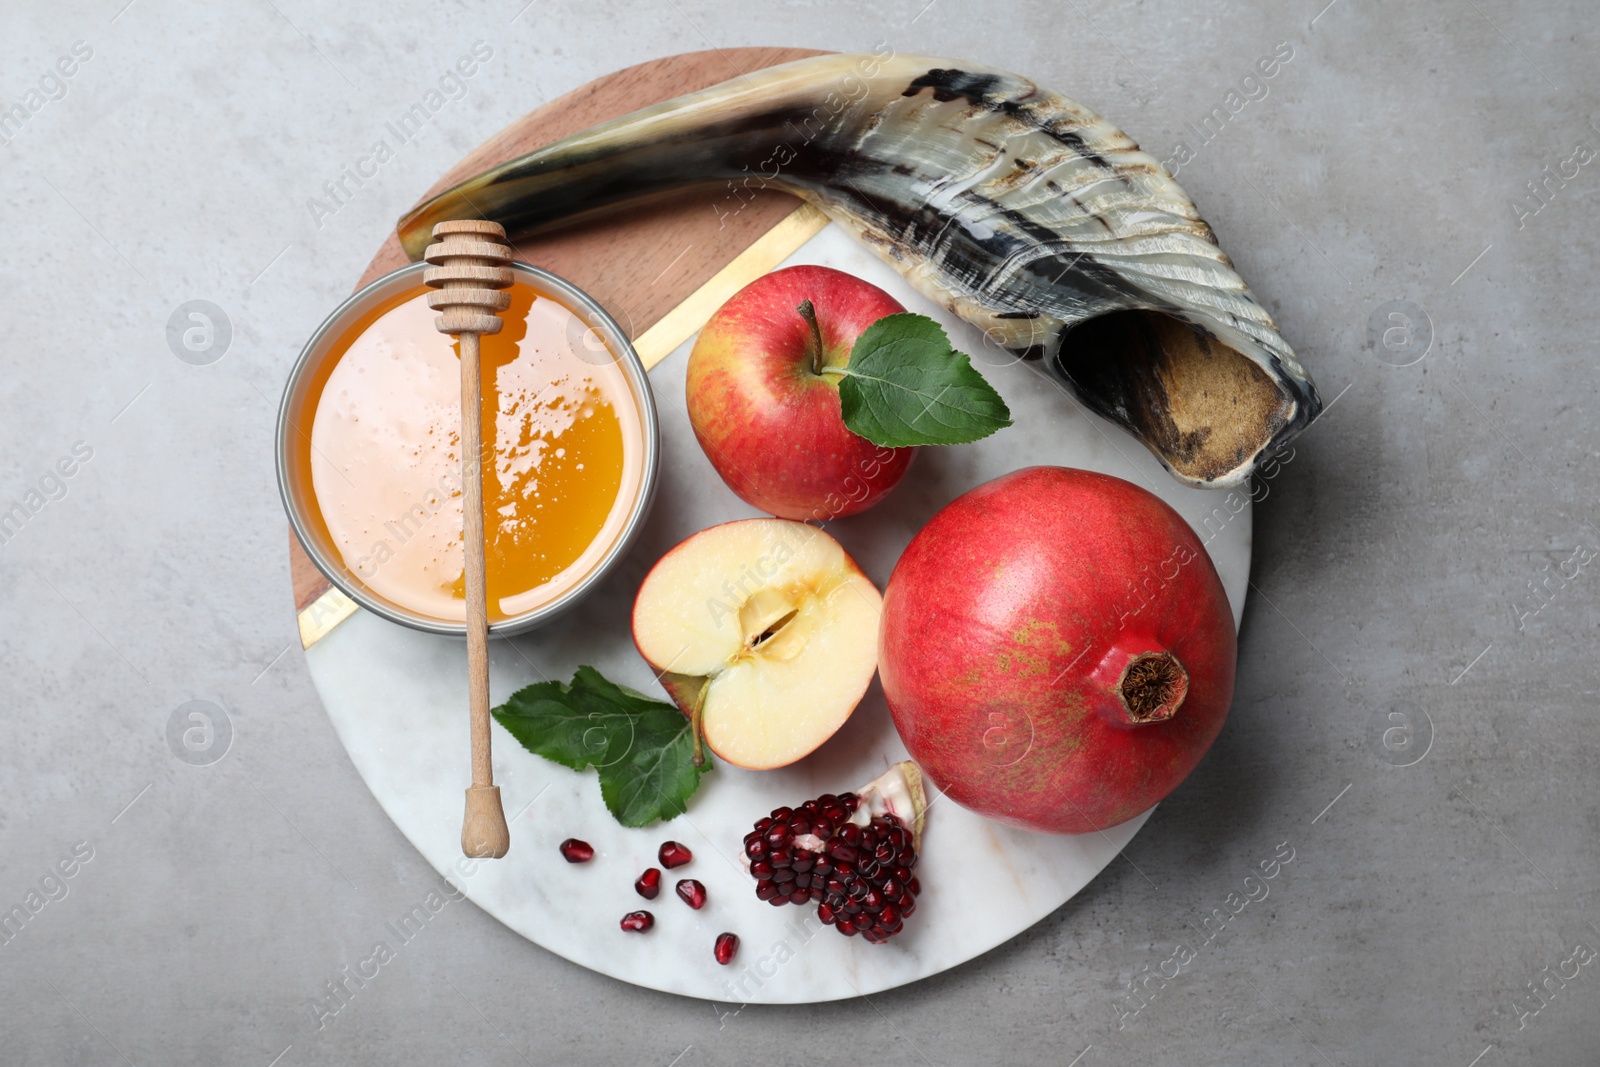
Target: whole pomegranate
{"type": "Point", "coordinates": [1057, 650]}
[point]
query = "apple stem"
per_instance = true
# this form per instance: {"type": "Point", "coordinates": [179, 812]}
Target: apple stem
{"type": "Point", "coordinates": [697, 726]}
{"type": "Point", "coordinates": [809, 313]}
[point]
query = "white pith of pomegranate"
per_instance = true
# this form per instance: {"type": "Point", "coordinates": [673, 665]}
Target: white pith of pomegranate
{"type": "Point", "coordinates": [851, 854]}
{"type": "Point", "coordinates": [898, 792]}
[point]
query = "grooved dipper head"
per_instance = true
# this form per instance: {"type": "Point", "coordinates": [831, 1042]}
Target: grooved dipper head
{"type": "Point", "coordinates": [471, 263]}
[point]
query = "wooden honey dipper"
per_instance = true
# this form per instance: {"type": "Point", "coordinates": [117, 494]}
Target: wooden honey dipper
{"type": "Point", "coordinates": [471, 265]}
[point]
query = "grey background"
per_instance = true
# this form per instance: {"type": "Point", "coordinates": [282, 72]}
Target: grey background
{"type": "Point", "coordinates": [1393, 554]}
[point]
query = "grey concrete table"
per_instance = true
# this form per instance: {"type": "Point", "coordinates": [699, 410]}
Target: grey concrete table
{"type": "Point", "coordinates": [1412, 195]}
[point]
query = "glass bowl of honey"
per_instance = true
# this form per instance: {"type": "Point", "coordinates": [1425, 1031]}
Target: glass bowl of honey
{"type": "Point", "coordinates": [369, 461]}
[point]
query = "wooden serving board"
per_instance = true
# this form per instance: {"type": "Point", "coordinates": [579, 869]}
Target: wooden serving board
{"type": "Point", "coordinates": [662, 271]}
{"type": "Point", "coordinates": [639, 263]}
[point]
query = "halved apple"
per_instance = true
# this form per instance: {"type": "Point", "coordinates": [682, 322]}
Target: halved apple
{"type": "Point", "coordinates": [765, 633]}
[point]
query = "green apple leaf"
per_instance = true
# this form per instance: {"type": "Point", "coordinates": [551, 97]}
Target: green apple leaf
{"type": "Point", "coordinates": [643, 749]}
{"type": "Point", "coordinates": [653, 780]}
{"type": "Point", "coordinates": [905, 385]}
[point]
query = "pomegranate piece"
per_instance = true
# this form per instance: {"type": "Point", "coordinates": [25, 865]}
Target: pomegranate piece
{"type": "Point", "coordinates": [577, 851]}
{"type": "Point", "coordinates": [637, 922]}
{"type": "Point", "coordinates": [649, 884]}
{"type": "Point", "coordinates": [850, 854]}
{"type": "Point", "coordinates": [727, 948]}
{"type": "Point", "coordinates": [692, 893]}
{"type": "Point", "coordinates": [674, 854]}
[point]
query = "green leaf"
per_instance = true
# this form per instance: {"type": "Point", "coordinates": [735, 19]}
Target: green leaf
{"type": "Point", "coordinates": [643, 749]}
{"type": "Point", "coordinates": [905, 385]}
{"type": "Point", "coordinates": [654, 781]}
{"type": "Point", "coordinates": [542, 718]}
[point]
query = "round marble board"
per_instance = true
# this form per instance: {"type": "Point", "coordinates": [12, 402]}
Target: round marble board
{"type": "Point", "coordinates": [398, 700]}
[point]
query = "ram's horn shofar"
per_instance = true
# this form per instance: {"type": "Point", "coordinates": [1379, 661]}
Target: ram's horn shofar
{"type": "Point", "coordinates": [1019, 210]}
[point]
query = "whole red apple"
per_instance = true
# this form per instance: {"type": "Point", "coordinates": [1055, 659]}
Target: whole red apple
{"type": "Point", "coordinates": [1057, 650]}
{"type": "Point", "coordinates": [765, 408]}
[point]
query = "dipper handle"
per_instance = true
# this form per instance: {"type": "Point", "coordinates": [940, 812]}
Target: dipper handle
{"type": "Point", "coordinates": [471, 265]}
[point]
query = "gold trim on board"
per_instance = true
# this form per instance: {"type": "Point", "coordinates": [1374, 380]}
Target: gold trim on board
{"type": "Point", "coordinates": [323, 614]}
{"type": "Point", "coordinates": [654, 345]}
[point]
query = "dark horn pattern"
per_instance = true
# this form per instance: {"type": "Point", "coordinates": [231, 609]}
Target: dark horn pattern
{"type": "Point", "coordinates": [1017, 209]}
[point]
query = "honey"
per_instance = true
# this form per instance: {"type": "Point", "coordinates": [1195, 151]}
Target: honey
{"type": "Point", "coordinates": [562, 463]}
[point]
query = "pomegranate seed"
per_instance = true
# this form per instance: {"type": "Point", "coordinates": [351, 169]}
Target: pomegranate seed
{"type": "Point", "coordinates": [692, 893]}
{"type": "Point", "coordinates": [727, 948]}
{"type": "Point", "coordinates": [673, 854]}
{"type": "Point", "coordinates": [638, 922]}
{"type": "Point", "coordinates": [577, 851]}
{"type": "Point", "coordinates": [649, 884]}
